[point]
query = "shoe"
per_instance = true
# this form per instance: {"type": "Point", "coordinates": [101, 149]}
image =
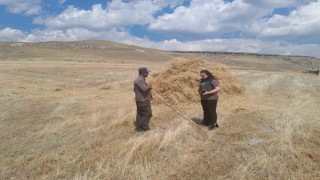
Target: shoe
{"type": "Point", "coordinates": [213, 127]}
{"type": "Point", "coordinates": [139, 129]}
{"type": "Point", "coordinates": [204, 123]}
{"type": "Point", "coordinates": [146, 127]}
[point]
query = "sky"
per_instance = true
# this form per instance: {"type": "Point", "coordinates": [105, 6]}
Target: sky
{"type": "Point", "coordinates": [288, 27]}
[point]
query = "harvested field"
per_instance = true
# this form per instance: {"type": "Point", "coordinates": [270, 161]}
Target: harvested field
{"type": "Point", "coordinates": [74, 120]}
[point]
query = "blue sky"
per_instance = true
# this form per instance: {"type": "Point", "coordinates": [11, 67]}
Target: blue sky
{"type": "Point", "coordinates": [268, 26]}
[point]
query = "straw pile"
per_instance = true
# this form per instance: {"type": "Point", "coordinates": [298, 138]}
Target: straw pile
{"type": "Point", "coordinates": [178, 83]}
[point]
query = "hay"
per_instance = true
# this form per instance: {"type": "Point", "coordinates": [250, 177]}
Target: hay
{"type": "Point", "coordinates": [178, 83]}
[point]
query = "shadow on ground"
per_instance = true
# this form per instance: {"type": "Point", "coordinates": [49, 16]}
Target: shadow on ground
{"type": "Point", "coordinates": [196, 120]}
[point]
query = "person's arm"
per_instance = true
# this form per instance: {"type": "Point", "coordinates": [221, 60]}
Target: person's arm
{"type": "Point", "coordinates": [142, 85]}
{"type": "Point", "coordinates": [217, 89]}
{"type": "Point", "coordinates": [215, 83]}
{"type": "Point", "coordinates": [149, 85]}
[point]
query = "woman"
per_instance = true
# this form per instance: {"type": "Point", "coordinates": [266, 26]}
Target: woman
{"type": "Point", "coordinates": [209, 92]}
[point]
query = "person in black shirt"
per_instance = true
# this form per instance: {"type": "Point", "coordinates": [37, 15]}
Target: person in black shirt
{"type": "Point", "coordinates": [209, 92]}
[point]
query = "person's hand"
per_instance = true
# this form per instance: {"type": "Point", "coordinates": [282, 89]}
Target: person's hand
{"type": "Point", "coordinates": [205, 93]}
{"type": "Point", "coordinates": [150, 85]}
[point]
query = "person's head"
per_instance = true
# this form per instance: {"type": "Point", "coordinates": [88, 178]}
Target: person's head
{"type": "Point", "coordinates": [205, 74]}
{"type": "Point", "coordinates": [144, 72]}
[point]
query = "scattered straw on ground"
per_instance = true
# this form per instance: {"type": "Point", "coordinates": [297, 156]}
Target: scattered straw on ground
{"type": "Point", "coordinates": [178, 83]}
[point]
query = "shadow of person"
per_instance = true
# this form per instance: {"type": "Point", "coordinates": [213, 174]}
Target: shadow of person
{"type": "Point", "coordinates": [196, 120]}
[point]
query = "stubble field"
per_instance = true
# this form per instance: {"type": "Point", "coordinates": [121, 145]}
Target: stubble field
{"type": "Point", "coordinates": [74, 120]}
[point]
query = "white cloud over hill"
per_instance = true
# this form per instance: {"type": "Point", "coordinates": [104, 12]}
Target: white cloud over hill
{"type": "Point", "coordinates": [8, 34]}
{"type": "Point", "coordinates": [227, 45]}
{"type": "Point", "coordinates": [204, 21]}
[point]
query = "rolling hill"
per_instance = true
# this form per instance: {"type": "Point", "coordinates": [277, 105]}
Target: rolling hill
{"type": "Point", "coordinates": [107, 51]}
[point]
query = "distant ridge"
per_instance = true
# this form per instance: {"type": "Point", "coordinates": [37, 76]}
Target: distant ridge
{"type": "Point", "coordinates": [106, 44]}
{"type": "Point", "coordinates": [243, 53]}
{"type": "Point", "coordinates": [109, 51]}
{"type": "Point", "coordinates": [84, 44]}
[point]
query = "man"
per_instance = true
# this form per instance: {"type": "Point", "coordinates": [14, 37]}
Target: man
{"type": "Point", "coordinates": [142, 91]}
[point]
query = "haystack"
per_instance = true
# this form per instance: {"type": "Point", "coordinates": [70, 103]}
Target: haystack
{"type": "Point", "coordinates": [178, 83]}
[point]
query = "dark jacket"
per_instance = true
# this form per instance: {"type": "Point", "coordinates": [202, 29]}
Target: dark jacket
{"type": "Point", "coordinates": [141, 89]}
{"type": "Point", "coordinates": [214, 83]}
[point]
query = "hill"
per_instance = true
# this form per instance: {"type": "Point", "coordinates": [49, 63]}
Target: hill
{"type": "Point", "coordinates": [81, 51]}
{"type": "Point", "coordinates": [107, 51]}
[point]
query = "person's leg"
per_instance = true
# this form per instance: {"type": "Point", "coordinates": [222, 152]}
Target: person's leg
{"type": "Point", "coordinates": [144, 108]}
{"type": "Point", "coordinates": [212, 105]}
{"type": "Point", "coordinates": [215, 115]}
{"type": "Point", "coordinates": [147, 116]}
{"type": "Point", "coordinates": [139, 119]}
{"type": "Point", "coordinates": [205, 120]}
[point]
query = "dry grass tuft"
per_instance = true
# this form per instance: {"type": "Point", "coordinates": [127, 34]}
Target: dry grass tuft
{"type": "Point", "coordinates": [178, 83]}
{"type": "Point", "coordinates": [106, 87]}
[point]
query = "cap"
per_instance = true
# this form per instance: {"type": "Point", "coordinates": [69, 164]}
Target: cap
{"type": "Point", "coordinates": [143, 70]}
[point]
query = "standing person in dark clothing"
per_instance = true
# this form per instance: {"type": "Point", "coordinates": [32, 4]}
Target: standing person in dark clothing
{"type": "Point", "coordinates": [209, 92]}
{"type": "Point", "coordinates": [143, 95]}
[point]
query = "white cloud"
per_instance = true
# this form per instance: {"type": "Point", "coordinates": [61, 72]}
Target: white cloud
{"type": "Point", "coordinates": [117, 14]}
{"type": "Point", "coordinates": [301, 22]}
{"type": "Point", "coordinates": [27, 7]}
{"type": "Point", "coordinates": [74, 34]}
{"type": "Point", "coordinates": [209, 17]}
{"type": "Point", "coordinates": [61, 1]}
{"type": "Point", "coordinates": [9, 34]}
{"type": "Point", "coordinates": [278, 3]}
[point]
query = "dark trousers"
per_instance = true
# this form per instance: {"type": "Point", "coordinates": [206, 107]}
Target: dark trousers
{"type": "Point", "coordinates": [209, 112]}
{"type": "Point", "coordinates": [144, 113]}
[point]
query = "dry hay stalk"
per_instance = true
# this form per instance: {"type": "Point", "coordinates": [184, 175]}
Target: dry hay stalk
{"type": "Point", "coordinates": [182, 115]}
{"type": "Point", "coordinates": [179, 82]}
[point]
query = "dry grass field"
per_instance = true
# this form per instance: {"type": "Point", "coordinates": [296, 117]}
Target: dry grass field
{"type": "Point", "coordinates": [68, 114]}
